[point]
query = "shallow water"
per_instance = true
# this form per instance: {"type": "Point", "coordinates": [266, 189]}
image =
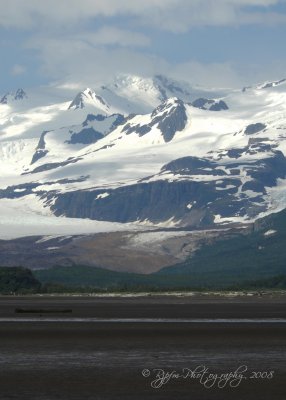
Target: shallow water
{"type": "Point", "coordinates": [150, 320]}
{"type": "Point", "coordinates": [110, 350]}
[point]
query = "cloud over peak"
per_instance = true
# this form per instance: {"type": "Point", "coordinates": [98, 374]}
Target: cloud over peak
{"type": "Point", "coordinates": [173, 15]}
{"type": "Point", "coordinates": [221, 42]}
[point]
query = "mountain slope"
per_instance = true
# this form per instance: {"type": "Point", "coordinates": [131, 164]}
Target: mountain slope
{"type": "Point", "coordinates": [180, 163]}
{"type": "Point", "coordinates": [241, 258]}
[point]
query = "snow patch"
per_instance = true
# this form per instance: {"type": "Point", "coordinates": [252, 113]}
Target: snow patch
{"type": "Point", "coordinates": [270, 232]}
{"type": "Point", "coordinates": [102, 195]}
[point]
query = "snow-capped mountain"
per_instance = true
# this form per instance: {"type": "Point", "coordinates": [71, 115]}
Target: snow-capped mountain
{"type": "Point", "coordinates": [140, 95]}
{"type": "Point", "coordinates": [210, 104]}
{"type": "Point", "coordinates": [13, 96]}
{"type": "Point", "coordinates": [55, 143]}
{"type": "Point", "coordinates": [145, 151]}
{"type": "Point", "coordinates": [267, 85]}
{"type": "Point", "coordinates": [89, 98]}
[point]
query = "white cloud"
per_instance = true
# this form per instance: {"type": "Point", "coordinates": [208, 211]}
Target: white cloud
{"type": "Point", "coordinates": [76, 60]}
{"type": "Point", "coordinates": [18, 69]}
{"type": "Point", "coordinates": [174, 15]}
{"type": "Point", "coordinates": [109, 35]}
{"type": "Point", "coordinates": [70, 48]}
{"type": "Point", "coordinates": [228, 74]}
{"type": "Point", "coordinates": [29, 13]}
{"type": "Point", "coordinates": [212, 74]}
{"type": "Point", "coordinates": [194, 13]}
{"type": "Point", "coordinates": [80, 59]}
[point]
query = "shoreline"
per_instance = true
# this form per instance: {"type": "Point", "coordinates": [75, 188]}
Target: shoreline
{"type": "Point", "coordinates": [168, 294]}
{"type": "Point", "coordinates": [103, 351]}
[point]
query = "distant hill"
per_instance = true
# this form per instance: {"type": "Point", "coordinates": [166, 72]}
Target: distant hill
{"type": "Point", "coordinates": [18, 280]}
{"type": "Point", "coordinates": [259, 255]}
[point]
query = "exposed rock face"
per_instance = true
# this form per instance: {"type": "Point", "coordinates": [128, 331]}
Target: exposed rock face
{"type": "Point", "coordinates": [49, 166]}
{"type": "Point", "coordinates": [163, 84]}
{"type": "Point", "coordinates": [85, 136]}
{"type": "Point", "coordinates": [100, 118]}
{"type": "Point", "coordinates": [193, 203]}
{"type": "Point", "coordinates": [156, 201]}
{"type": "Point", "coordinates": [41, 150]}
{"type": "Point", "coordinates": [170, 117]}
{"type": "Point", "coordinates": [254, 128]}
{"type": "Point", "coordinates": [268, 170]}
{"type": "Point", "coordinates": [89, 134]}
{"type": "Point", "coordinates": [24, 189]}
{"type": "Point", "coordinates": [272, 84]}
{"type": "Point", "coordinates": [254, 147]}
{"type": "Point", "coordinates": [193, 166]}
{"type": "Point", "coordinates": [210, 104]}
{"type": "Point", "coordinates": [84, 133]}
{"type": "Point", "coordinates": [87, 96]}
{"type": "Point", "coordinates": [20, 94]}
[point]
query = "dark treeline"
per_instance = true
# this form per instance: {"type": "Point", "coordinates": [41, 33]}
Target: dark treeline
{"type": "Point", "coordinates": [18, 280]}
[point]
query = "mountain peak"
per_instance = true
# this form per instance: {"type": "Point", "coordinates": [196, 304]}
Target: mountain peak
{"type": "Point", "coordinates": [171, 87]}
{"type": "Point", "coordinates": [268, 84]}
{"type": "Point", "coordinates": [19, 94]}
{"type": "Point", "coordinates": [210, 104]}
{"type": "Point", "coordinates": [169, 117]}
{"type": "Point", "coordinates": [265, 85]}
{"type": "Point", "coordinates": [88, 97]}
{"type": "Point", "coordinates": [168, 105]}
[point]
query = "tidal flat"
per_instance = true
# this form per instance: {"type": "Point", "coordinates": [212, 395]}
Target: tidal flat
{"type": "Point", "coordinates": [155, 347]}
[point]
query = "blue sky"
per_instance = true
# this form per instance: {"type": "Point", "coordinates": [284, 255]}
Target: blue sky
{"type": "Point", "coordinates": [207, 42]}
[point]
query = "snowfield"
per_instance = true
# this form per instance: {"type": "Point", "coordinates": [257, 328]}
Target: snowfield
{"type": "Point", "coordinates": [26, 218]}
{"type": "Point", "coordinates": [58, 140]}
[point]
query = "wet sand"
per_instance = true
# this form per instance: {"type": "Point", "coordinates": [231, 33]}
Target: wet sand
{"type": "Point", "coordinates": [104, 360]}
